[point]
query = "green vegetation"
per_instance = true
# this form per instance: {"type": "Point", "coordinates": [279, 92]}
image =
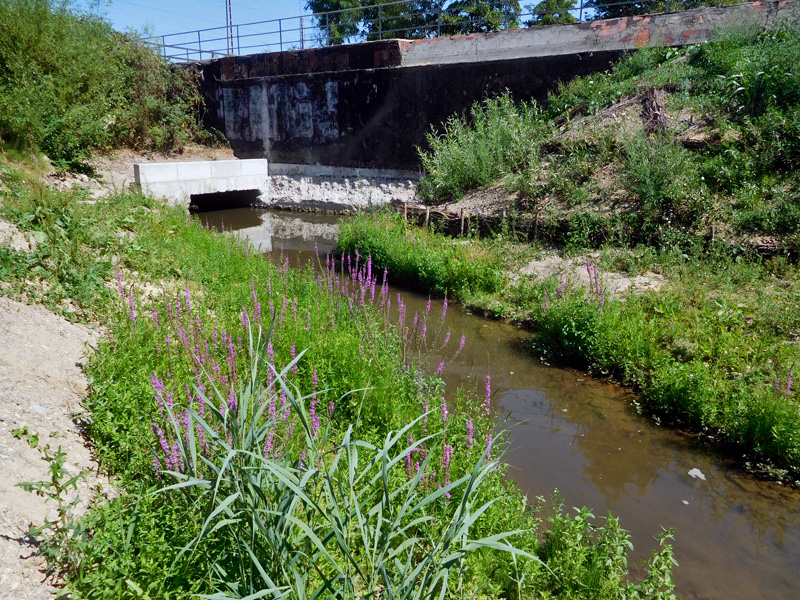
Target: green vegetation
{"type": "Point", "coordinates": [436, 263]}
{"type": "Point", "coordinates": [70, 85]}
{"type": "Point", "coordinates": [272, 432]}
{"type": "Point", "coordinates": [681, 162]}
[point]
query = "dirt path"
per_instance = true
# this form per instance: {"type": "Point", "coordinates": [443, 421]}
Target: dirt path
{"type": "Point", "coordinates": [41, 386]}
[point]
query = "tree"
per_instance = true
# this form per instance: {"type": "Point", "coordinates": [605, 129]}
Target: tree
{"type": "Point", "coordinates": [551, 12]}
{"type": "Point", "coordinates": [354, 20]}
{"type": "Point", "coordinates": [610, 9]}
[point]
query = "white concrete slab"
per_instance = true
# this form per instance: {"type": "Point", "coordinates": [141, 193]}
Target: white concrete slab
{"type": "Point", "coordinates": [178, 181]}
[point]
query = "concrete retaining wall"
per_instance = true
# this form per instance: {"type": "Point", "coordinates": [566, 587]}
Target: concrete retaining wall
{"type": "Point", "coordinates": [371, 105]}
{"type": "Point", "coordinates": [178, 181]}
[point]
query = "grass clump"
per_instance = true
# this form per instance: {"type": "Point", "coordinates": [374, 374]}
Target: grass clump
{"type": "Point", "coordinates": [419, 257]}
{"type": "Point", "coordinates": [70, 85]}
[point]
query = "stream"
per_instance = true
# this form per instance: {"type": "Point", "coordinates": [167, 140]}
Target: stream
{"type": "Point", "coordinates": [736, 537]}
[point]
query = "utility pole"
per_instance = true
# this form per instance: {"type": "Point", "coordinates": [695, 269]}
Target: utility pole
{"type": "Point", "coordinates": [229, 25]}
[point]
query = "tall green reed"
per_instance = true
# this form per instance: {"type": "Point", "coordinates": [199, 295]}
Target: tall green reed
{"type": "Point", "coordinates": [329, 518]}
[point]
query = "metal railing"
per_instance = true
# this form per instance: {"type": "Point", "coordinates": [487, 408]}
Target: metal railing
{"type": "Point", "coordinates": [383, 21]}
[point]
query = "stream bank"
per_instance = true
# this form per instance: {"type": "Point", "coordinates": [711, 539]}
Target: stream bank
{"type": "Point", "coordinates": [738, 537]}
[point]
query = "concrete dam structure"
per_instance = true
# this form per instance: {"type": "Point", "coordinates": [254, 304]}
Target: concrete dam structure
{"type": "Point", "coordinates": [372, 104]}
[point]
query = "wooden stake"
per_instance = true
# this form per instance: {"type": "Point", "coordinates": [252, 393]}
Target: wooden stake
{"type": "Point", "coordinates": [462, 221]}
{"type": "Point", "coordinates": [427, 215]}
{"type": "Point", "coordinates": [405, 211]}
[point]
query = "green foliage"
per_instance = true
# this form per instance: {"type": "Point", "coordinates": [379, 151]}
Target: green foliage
{"type": "Point", "coordinates": [341, 20]}
{"type": "Point", "coordinates": [338, 519]}
{"type": "Point", "coordinates": [661, 174]}
{"type": "Point", "coordinates": [70, 85]}
{"type": "Point", "coordinates": [422, 257]}
{"type": "Point", "coordinates": [475, 151]}
{"type": "Point", "coordinates": [551, 12]}
{"type": "Point", "coordinates": [708, 352]}
{"type": "Point", "coordinates": [352, 494]}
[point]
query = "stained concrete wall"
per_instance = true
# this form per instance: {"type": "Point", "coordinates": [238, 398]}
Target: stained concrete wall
{"type": "Point", "coordinates": [371, 105]}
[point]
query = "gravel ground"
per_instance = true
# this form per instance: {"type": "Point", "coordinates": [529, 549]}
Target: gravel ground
{"type": "Point", "coordinates": [41, 386]}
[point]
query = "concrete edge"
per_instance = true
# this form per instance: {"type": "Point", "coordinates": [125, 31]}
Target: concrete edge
{"type": "Point", "coordinates": [300, 170]}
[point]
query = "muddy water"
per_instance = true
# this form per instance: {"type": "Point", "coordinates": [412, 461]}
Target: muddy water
{"type": "Point", "coordinates": [737, 538]}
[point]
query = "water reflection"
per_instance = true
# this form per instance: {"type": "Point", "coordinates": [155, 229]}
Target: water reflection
{"type": "Point", "coordinates": [737, 537]}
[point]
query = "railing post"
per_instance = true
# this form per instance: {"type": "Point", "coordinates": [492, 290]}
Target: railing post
{"type": "Point", "coordinates": [580, 14]}
{"type": "Point", "coordinates": [439, 21]}
{"type": "Point", "coordinates": [199, 45]}
{"type": "Point", "coordinates": [280, 33]}
{"type": "Point", "coordinates": [238, 42]}
{"type": "Point", "coordinates": [164, 47]}
{"type": "Point", "coordinates": [380, 21]}
{"type": "Point", "coordinates": [505, 14]}
{"type": "Point", "coordinates": [668, 5]}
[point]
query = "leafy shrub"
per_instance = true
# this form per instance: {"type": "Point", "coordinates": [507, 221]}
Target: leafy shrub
{"type": "Point", "coordinates": [70, 85]}
{"type": "Point", "coordinates": [475, 151]}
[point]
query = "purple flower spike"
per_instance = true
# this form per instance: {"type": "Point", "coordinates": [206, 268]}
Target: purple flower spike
{"type": "Point", "coordinates": [488, 403]}
{"type": "Point", "coordinates": [119, 284]}
{"type": "Point", "coordinates": [440, 369]}
{"type": "Point", "coordinates": [460, 345]}
{"type": "Point", "coordinates": [470, 430]}
{"type": "Point", "coordinates": [131, 307]}
{"type": "Point", "coordinates": [155, 316]}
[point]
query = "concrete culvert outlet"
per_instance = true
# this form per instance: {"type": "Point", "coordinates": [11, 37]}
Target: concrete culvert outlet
{"type": "Point", "coordinates": [223, 200]}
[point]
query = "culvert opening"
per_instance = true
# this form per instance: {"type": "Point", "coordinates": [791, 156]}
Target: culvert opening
{"type": "Point", "coordinates": [222, 200]}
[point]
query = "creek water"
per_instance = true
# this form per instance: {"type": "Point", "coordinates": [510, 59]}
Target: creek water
{"type": "Point", "coordinates": [736, 537]}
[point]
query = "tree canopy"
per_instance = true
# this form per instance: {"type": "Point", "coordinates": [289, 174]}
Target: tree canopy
{"type": "Point", "coordinates": [342, 20]}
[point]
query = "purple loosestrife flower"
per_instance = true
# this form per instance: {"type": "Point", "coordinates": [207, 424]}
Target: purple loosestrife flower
{"type": "Point", "coordinates": [331, 408]}
{"type": "Point", "coordinates": [292, 353]}
{"type": "Point", "coordinates": [488, 444]}
{"type": "Point", "coordinates": [131, 307]}
{"type": "Point", "coordinates": [233, 403]}
{"type": "Point", "coordinates": [488, 402]}
{"type": "Point", "coordinates": [470, 430]}
{"type": "Point", "coordinates": [294, 309]}
{"type": "Point", "coordinates": [120, 287]}
{"type": "Point", "coordinates": [440, 369]}
{"type": "Point", "coordinates": [460, 346]}
{"type": "Point", "coordinates": [444, 411]}
{"type": "Point", "coordinates": [155, 317]}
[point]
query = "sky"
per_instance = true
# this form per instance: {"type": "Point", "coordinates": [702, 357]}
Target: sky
{"type": "Point", "coordinates": [159, 17]}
